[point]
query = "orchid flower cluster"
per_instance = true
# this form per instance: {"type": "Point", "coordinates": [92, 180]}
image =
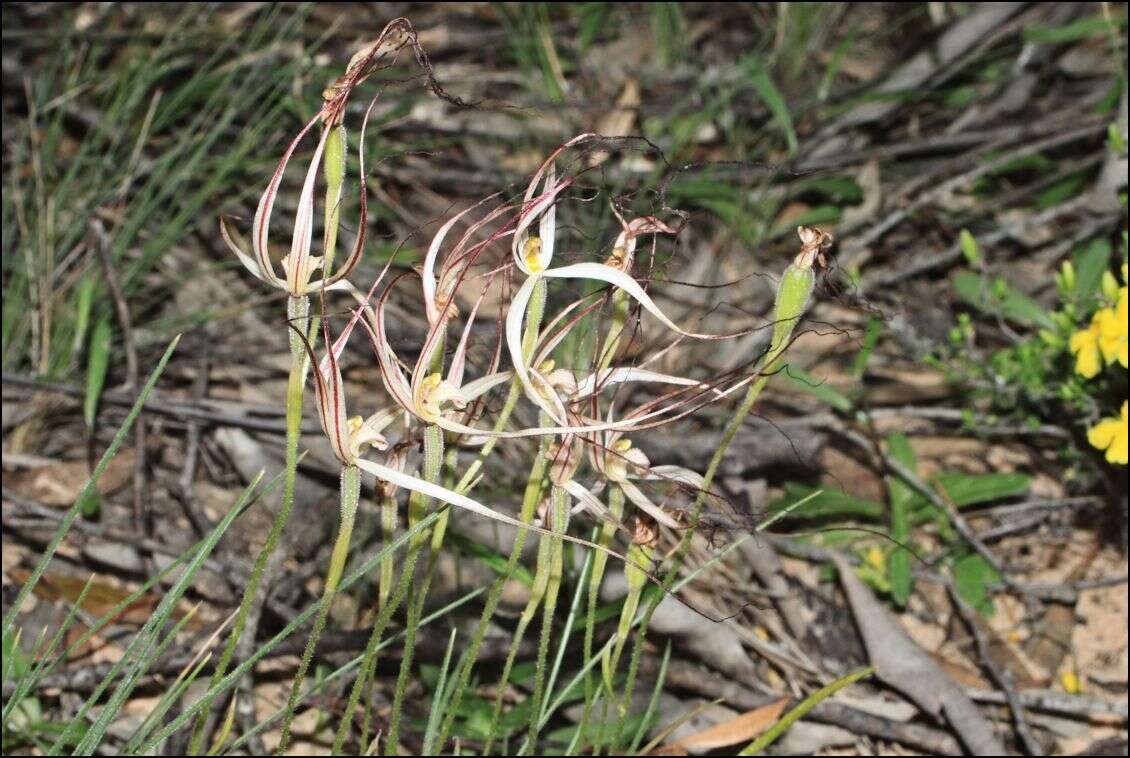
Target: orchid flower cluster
{"type": "Point", "coordinates": [440, 398]}
{"type": "Point", "coordinates": [422, 392]}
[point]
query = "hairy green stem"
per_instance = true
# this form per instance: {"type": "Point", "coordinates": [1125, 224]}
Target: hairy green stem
{"type": "Point", "coordinates": [529, 503]}
{"type": "Point", "coordinates": [599, 562]}
{"type": "Point", "coordinates": [417, 509]}
{"type": "Point", "coordinates": [793, 295]}
{"type": "Point", "coordinates": [369, 660]}
{"type": "Point", "coordinates": [350, 491]}
{"type": "Point", "coordinates": [537, 592]}
{"type": "Point", "coordinates": [559, 518]}
{"type": "Point", "coordinates": [638, 556]}
{"type": "Point", "coordinates": [388, 530]}
{"type": "Point", "coordinates": [530, 499]}
{"type": "Point", "coordinates": [298, 313]}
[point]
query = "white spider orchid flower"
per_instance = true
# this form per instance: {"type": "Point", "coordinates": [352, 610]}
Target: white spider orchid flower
{"type": "Point", "coordinates": [533, 256]}
{"type": "Point", "coordinates": [299, 265]}
{"type": "Point", "coordinates": [424, 393]}
{"type": "Point", "coordinates": [348, 436]}
{"type": "Point", "coordinates": [623, 465]}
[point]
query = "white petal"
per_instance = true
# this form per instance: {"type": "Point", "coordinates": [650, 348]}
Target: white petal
{"type": "Point", "coordinates": [299, 265]}
{"type": "Point", "coordinates": [445, 495]}
{"type": "Point", "coordinates": [633, 493]}
{"type": "Point", "coordinates": [618, 278]}
{"type": "Point", "coordinates": [611, 376]}
{"type": "Point", "coordinates": [250, 263]}
{"type": "Point", "coordinates": [261, 225]}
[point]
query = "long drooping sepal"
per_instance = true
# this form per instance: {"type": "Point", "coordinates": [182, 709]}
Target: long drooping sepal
{"type": "Point", "coordinates": [299, 264]}
{"type": "Point", "coordinates": [441, 493]}
{"type": "Point", "coordinates": [260, 227]}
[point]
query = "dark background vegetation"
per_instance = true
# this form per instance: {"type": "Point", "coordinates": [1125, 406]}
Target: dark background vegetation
{"type": "Point", "coordinates": [128, 129]}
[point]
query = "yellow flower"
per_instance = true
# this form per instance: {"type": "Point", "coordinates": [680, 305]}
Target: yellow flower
{"type": "Point", "coordinates": [1103, 342]}
{"type": "Point", "coordinates": [1112, 336]}
{"type": "Point", "coordinates": [1110, 434]}
{"type": "Point", "coordinates": [1084, 345]}
{"type": "Point", "coordinates": [1112, 327]}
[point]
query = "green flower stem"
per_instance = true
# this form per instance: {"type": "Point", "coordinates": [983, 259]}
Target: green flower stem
{"type": "Point", "coordinates": [537, 593]}
{"type": "Point", "coordinates": [599, 562]}
{"type": "Point", "coordinates": [559, 517]}
{"type": "Point", "coordinates": [620, 306]}
{"type": "Point", "coordinates": [298, 313]}
{"type": "Point", "coordinates": [529, 503]}
{"type": "Point", "coordinates": [417, 509]}
{"type": "Point", "coordinates": [369, 661]}
{"type": "Point", "coordinates": [638, 555]}
{"type": "Point", "coordinates": [388, 530]}
{"type": "Point", "coordinates": [386, 606]}
{"type": "Point", "coordinates": [794, 293]}
{"type": "Point", "coordinates": [530, 499]}
{"type": "Point", "coordinates": [350, 492]}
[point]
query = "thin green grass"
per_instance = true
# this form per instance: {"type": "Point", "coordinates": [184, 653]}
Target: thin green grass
{"type": "Point", "coordinates": [151, 149]}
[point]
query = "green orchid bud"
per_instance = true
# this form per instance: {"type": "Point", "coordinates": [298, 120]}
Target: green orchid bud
{"type": "Point", "coordinates": [794, 292]}
{"type": "Point", "coordinates": [1067, 280]}
{"type": "Point", "coordinates": [969, 248]}
{"type": "Point", "coordinates": [1110, 287]}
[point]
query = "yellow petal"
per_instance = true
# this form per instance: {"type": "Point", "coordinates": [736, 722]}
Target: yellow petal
{"type": "Point", "coordinates": [1084, 344]}
{"type": "Point", "coordinates": [1112, 334]}
{"type": "Point", "coordinates": [1081, 340]}
{"type": "Point", "coordinates": [1118, 453]}
{"type": "Point", "coordinates": [1087, 364]}
{"type": "Point", "coordinates": [1070, 682]}
{"type": "Point", "coordinates": [1110, 435]}
{"type": "Point", "coordinates": [1102, 434]}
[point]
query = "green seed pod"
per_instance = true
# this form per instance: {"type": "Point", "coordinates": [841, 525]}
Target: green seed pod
{"type": "Point", "coordinates": [793, 295]}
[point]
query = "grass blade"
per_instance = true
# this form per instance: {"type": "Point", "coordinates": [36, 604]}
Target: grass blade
{"type": "Point", "coordinates": [139, 647]}
{"type": "Point", "coordinates": [97, 364]}
{"type": "Point", "coordinates": [437, 702]}
{"type": "Point", "coordinates": [761, 82]}
{"type": "Point", "coordinates": [806, 705]}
